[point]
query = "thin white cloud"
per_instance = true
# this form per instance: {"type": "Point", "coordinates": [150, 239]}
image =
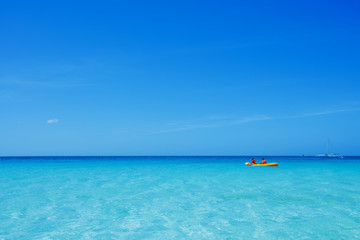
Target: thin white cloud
{"type": "Point", "coordinates": [331, 112]}
{"type": "Point", "coordinates": [251, 119]}
{"type": "Point", "coordinates": [214, 123]}
{"type": "Point", "coordinates": [186, 127]}
{"type": "Point", "coordinates": [50, 121]}
{"type": "Point", "coordinates": [314, 114]}
{"type": "Point", "coordinates": [228, 121]}
{"type": "Point", "coordinates": [28, 83]}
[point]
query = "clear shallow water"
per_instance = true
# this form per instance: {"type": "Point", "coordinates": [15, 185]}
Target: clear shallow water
{"type": "Point", "coordinates": [179, 198]}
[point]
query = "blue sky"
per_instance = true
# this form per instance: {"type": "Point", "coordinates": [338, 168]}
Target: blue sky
{"type": "Point", "coordinates": [179, 78]}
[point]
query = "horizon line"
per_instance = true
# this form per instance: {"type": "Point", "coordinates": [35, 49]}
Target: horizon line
{"type": "Point", "coordinates": [94, 156]}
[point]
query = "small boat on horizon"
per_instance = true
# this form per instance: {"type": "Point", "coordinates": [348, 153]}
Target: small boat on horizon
{"type": "Point", "coordinates": [329, 155]}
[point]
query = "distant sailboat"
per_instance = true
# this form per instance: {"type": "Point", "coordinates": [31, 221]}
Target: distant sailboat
{"type": "Point", "coordinates": [329, 155]}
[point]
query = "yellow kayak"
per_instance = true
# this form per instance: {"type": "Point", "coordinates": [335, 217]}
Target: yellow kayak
{"type": "Point", "coordinates": [262, 165]}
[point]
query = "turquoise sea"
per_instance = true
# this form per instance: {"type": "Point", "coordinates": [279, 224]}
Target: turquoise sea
{"type": "Point", "coordinates": [179, 198]}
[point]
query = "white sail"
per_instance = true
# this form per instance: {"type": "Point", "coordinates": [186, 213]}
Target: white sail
{"type": "Point", "coordinates": [329, 155]}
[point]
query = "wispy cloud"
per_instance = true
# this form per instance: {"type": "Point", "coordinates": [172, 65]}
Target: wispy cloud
{"type": "Point", "coordinates": [51, 121]}
{"type": "Point", "coordinates": [6, 94]}
{"type": "Point", "coordinates": [44, 84]}
{"type": "Point", "coordinates": [232, 121]}
{"type": "Point", "coordinates": [51, 82]}
{"type": "Point", "coordinates": [321, 113]}
{"type": "Point", "coordinates": [213, 123]}
{"type": "Point", "coordinates": [251, 119]}
{"type": "Point", "coordinates": [185, 128]}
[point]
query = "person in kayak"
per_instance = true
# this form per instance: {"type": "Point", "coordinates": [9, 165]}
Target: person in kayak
{"type": "Point", "coordinates": [253, 161]}
{"type": "Point", "coordinates": [263, 161]}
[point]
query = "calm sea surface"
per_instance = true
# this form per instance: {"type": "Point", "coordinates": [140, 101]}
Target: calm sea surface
{"type": "Point", "coordinates": [179, 198]}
